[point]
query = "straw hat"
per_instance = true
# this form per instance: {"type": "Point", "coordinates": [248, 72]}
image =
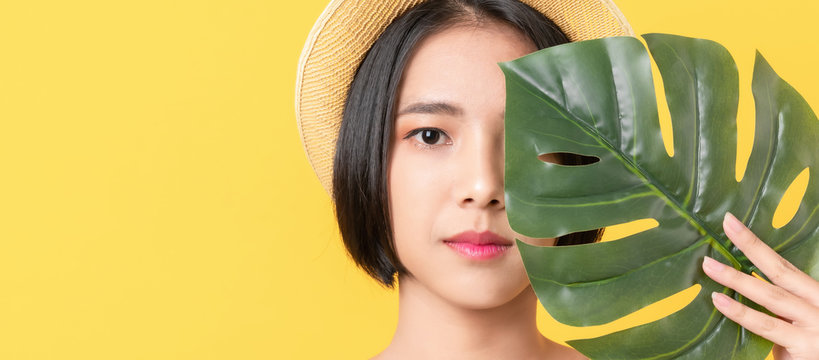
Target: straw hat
{"type": "Point", "coordinates": [346, 30]}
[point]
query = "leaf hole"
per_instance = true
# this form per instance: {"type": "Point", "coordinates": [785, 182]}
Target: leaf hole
{"type": "Point", "coordinates": [619, 231]}
{"type": "Point", "coordinates": [656, 311]}
{"type": "Point", "coordinates": [791, 199]}
{"type": "Point", "coordinates": [568, 159]}
{"type": "Point", "coordinates": [663, 113]}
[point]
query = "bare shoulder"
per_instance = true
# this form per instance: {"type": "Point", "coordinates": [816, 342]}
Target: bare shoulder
{"type": "Point", "coordinates": [387, 353]}
{"type": "Point", "coordinates": [558, 351]}
{"type": "Point", "coordinates": [548, 350]}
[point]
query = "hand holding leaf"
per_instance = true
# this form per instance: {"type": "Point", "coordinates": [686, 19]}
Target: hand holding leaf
{"type": "Point", "coordinates": [793, 296]}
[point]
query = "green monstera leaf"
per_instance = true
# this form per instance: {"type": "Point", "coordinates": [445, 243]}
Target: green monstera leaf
{"type": "Point", "coordinates": [596, 98]}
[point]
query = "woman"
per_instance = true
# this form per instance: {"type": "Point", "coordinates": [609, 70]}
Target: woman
{"type": "Point", "coordinates": [417, 175]}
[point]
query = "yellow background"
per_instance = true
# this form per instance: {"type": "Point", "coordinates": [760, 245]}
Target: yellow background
{"type": "Point", "coordinates": [155, 201]}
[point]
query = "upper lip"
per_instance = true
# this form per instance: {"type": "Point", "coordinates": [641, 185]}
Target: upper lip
{"type": "Point", "coordinates": [482, 238]}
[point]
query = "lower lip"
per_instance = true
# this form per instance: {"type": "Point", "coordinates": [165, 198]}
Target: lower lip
{"type": "Point", "coordinates": [478, 251]}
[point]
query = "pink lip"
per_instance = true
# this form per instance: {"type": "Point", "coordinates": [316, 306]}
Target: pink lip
{"type": "Point", "coordinates": [479, 246]}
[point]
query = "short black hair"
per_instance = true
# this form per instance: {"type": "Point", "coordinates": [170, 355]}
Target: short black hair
{"type": "Point", "coordinates": [360, 163]}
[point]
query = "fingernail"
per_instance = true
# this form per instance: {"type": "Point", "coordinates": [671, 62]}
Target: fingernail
{"type": "Point", "coordinates": [732, 224]}
{"type": "Point", "coordinates": [713, 266]}
{"type": "Point", "coordinates": [720, 300]}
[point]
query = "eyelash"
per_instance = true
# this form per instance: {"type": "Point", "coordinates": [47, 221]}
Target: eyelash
{"type": "Point", "coordinates": [422, 144]}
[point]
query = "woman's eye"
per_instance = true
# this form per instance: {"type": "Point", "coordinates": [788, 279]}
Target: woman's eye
{"type": "Point", "coordinates": [428, 136]}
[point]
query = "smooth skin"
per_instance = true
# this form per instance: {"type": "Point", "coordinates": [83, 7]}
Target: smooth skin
{"type": "Point", "coordinates": [445, 176]}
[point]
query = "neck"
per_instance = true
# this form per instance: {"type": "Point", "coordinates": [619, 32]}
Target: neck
{"type": "Point", "coordinates": [431, 327]}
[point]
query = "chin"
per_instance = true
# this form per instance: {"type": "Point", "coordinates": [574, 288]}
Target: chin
{"type": "Point", "coordinates": [445, 276]}
{"type": "Point", "coordinates": [485, 294]}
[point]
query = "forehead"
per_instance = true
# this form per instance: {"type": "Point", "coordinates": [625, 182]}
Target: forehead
{"type": "Point", "coordinates": [463, 54]}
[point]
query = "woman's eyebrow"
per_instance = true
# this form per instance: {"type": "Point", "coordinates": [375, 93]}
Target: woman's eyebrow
{"type": "Point", "coordinates": [435, 107]}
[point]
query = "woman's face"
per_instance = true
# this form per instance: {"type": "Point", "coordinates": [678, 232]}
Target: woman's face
{"type": "Point", "coordinates": [445, 172]}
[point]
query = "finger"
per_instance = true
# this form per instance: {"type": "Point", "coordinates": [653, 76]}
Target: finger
{"type": "Point", "coordinates": [776, 268]}
{"type": "Point", "coordinates": [772, 297]}
{"type": "Point", "coordinates": [769, 327]}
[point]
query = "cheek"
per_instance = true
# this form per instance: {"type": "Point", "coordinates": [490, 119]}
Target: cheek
{"type": "Point", "coordinates": [416, 178]}
{"type": "Point", "coordinates": [417, 198]}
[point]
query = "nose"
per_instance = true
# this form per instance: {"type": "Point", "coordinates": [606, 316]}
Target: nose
{"type": "Point", "coordinates": [480, 174]}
